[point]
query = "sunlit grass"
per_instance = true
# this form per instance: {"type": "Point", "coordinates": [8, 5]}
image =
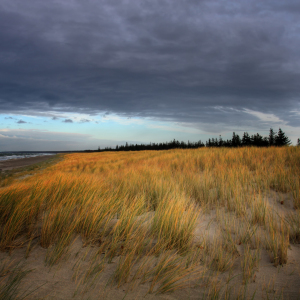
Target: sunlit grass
{"type": "Point", "coordinates": [143, 207]}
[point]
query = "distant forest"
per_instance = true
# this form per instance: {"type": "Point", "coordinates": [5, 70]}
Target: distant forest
{"type": "Point", "coordinates": [277, 139]}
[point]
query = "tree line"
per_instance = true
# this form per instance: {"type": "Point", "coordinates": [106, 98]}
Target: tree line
{"type": "Point", "coordinates": [274, 139]}
{"type": "Point", "coordinates": [277, 139]}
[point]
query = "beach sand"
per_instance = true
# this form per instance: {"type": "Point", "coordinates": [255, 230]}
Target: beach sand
{"type": "Point", "coordinates": [23, 162]}
{"type": "Point", "coordinates": [66, 280]}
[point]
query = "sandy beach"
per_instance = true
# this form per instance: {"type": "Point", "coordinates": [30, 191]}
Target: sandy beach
{"type": "Point", "coordinates": [23, 162]}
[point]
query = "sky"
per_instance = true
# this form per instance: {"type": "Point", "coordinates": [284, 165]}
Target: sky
{"type": "Point", "coordinates": [77, 75]}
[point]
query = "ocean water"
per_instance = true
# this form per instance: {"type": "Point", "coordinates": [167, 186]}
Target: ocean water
{"type": "Point", "coordinates": [16, 155]}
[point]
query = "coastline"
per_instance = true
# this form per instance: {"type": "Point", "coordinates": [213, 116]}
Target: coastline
{"type": "Point", "coordinates": [23, 162]}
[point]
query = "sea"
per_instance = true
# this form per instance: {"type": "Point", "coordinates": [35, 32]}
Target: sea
{"type": "Point", "coordinates": [16, 155]}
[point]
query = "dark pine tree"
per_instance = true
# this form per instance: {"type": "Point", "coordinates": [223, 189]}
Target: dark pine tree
{"type": "Point", "coordinates": [281, 139]}
{"type": "Point", "coordinates": [220, 144]}
{"type": "Point", "coordinates": [265, 142]}
{"type": "Point", "coordinates": [236, 140]}
{"type": "Point", "coordinates": [208, 143]}
{"type": "Point", "coordinates": [257, 140]}
{"type": "Point", "coordinates": [298, 142]}
{"type": "Point", "coordinates": [246, 140]}
{"type": "Point", "coordinates": [271, 137]}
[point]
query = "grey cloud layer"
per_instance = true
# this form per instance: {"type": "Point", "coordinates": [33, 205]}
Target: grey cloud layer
{"type": "Point", "coordinates": [171, 60]}
{"type": "Point", "coordinates": [38, 140]}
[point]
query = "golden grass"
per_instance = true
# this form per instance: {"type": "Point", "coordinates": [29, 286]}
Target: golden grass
{"type": "Point", "coordinates": [139, 206]}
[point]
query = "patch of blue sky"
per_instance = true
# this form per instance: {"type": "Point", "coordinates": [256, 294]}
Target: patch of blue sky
{"type": "Point", "coordinates": [108, 127]}
{"type": "Point", "coordinates": [17, 121]}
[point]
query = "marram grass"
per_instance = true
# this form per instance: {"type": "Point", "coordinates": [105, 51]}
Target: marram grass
{"type": "Point", "coordinates": [143, 208]}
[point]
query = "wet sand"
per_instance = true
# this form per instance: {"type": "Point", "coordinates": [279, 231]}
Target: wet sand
{"type": "Point", "coordinates": [23, 162]}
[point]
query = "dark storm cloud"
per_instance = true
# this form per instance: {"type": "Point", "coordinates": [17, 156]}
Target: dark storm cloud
{"type": "Point", "coordinates": [172, 60]}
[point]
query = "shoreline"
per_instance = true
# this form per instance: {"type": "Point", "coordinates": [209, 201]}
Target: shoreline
{"type": "Point", "coordinates": [11, 164]}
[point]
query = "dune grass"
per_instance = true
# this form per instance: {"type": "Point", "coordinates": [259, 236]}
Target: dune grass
{"type": "Point", "coordinates": [10, 280]}
{"type": "Point", "coordinates": [143, 208]}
